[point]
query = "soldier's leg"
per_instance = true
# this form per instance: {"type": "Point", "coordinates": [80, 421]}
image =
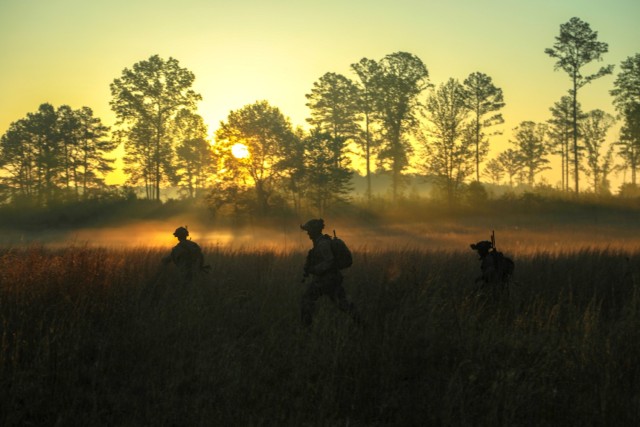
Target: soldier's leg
{"type": "Point", "coordinates": [339, 297]}
{"type": "Point", "coordinates": [308, 303]}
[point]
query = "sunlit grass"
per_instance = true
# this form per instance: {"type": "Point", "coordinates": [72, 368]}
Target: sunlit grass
{"type": "Point", "coordinates": [95, 336]}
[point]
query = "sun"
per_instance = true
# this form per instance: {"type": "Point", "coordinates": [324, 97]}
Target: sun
{"type": "Point", "coordinates": [240, 151]}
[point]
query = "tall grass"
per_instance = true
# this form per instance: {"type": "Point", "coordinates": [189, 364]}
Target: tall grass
{"type": "Point", "coordinates": [94, 336]}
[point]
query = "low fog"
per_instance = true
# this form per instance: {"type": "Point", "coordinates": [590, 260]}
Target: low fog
{"type": "Point", "coordinates": [286, 236]}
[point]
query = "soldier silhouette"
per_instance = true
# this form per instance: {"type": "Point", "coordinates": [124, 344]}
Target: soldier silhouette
{"type": "Point", "coordinates": [187, 256]}
{"type": "Point", "coordinates": [326, 278]}
{"type": "Point", "coordinates": [496, 269]}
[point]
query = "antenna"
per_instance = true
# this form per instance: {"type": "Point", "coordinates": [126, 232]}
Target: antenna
{"type": "Point", "coordinates": [493, 239]}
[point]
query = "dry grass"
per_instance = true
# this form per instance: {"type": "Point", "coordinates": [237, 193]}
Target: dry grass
{"type": "Point", "coordinates": [94, 336]}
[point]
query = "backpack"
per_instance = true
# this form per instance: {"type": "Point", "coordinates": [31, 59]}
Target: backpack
{"type": "Point", "coordinates": [341, 253]}
{"type": "Point", "coordinates": [503, 265]}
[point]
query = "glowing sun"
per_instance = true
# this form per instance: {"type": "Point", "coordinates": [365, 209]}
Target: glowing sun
{"type": "Point", "coordinates": [240, 151]}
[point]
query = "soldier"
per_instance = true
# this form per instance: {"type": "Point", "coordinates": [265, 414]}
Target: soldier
{"type": "Point", "coordinates": [495, 267]}
{"type": "Point", "coordinates": [326, 279]}
{"type": "Point", "coordinates": [187, 256]}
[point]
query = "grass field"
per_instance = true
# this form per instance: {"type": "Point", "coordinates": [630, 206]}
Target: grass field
{"type": "Point", "coordinates": [103, 336]}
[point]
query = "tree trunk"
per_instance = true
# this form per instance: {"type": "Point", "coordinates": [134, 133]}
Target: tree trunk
{"type": "Point", "coordinates": [575, 133]}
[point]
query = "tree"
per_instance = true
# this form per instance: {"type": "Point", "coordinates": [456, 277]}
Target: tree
{"type": "Point", "coordinates": [44, 131]}
{"type": "Point", "coordinates": [598, 164]}
{"type": "Point", "coordinates": [560, 132]}
{"type": "Point", "coordinates": [293, 172]}
{"type": "Point", "coordinates": [626, 95]}
{"type": "Point", "coordinates": [55, 152]}
{"type": "Point", "coordinates": [629, 143]}
{"type": "Point", "coordinates": [18, 151]}
{"type": "Point", "coordinates": [449, 141]}
{"type": "Point", "coordinates": [494, 171]}
{"type": "Point", "coordinates": [511, 163]}
{"type": "Point", "coordinates": [92, 145]}
{"type": "Point", "coordinates": [266, 134]}
{"type": "Point", "coordinates": [626, 90]}
{"type": "Point", "coordinates": [484, 100]}
{"type": "Point", "coordinates": [575, 47]}
{"type": "Point", "coordinates": [368, 72]}
{"type": "Point", "coordinates": [31, 152]}
{"type": "Point", "coordinates": [195, 159]}
{"type": "Point", "coordinates": [145, 100]}
{"type": "Point", "coordinates": [327, 181]}
{"type": "Point", "coordinates": [403, 77]}
{"type": "Point", "coordinates": [333, 102]}
{"type": "Point", "coordinates": [529, 140]}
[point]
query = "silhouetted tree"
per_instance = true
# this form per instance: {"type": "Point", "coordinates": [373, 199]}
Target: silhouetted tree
{"type": "Point", "coordinates": [194, 160]}
{"type": "Point", "coordinates": [626, 95]}
{"type": "Point", "coordinates": [560, 134]}
{"type": "Point", "coordinates": [293, 170]}
{"type": "Point", "coordinates": [494, 171]}
{"type": "Point", "coordinates": [598, 163]}
{"type": "Point", "coordinates": [55, 152]}
{"type": "Point", "coordinates": [629, 143]}
{"type": "Point", "coordinates": [448, 141]}
{"type": "Point", "coordinates": [91, 147]}
{"type": "Point", "coordinates": [626, 90]}
{"type": "Point", "coordinates": [31, 151]}
{"type": "Point", "coordinates": [484, 100]}
{"type": "Point", "coordinates": [333, 103]}
{"type": "Point", "coordinates": [511, 163]}
{"type": "Point", "coordinates": [368, 72]}
{"type": "Point", "coordinates": [575, 47]}
{"type": "Point", "coordinates": [266, 134]}
{"type": "Point", "coordinates": [145, 100]}
{"type": "Point", "coordinates": [327, 180]}
{"type": "Point", "coordinates": [403, 77]}
{"type": "Point", "coordinates": [18, 154]}
{"type": "Point", "coordinates": [529, 139]}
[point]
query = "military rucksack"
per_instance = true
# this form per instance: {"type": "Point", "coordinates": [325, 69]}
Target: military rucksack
{"type": "Point", "coordinates": [503, 264]}
{"type": "Point", "coordinates": [341, 253]}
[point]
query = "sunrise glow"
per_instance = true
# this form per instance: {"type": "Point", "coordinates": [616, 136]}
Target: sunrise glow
{"type": "Point", "coordinates": [240, 151]}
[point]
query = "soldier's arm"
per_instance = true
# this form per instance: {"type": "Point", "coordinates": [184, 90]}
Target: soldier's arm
{"type": "Point", "coordinates": [326, 258]}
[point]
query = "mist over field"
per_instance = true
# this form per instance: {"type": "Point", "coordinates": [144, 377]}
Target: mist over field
{"type": "Point", "coordinates": [514, 234]}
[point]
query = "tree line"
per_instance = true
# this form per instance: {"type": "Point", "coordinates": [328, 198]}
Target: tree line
{"type": "Point", "coordinates": [386, 115]}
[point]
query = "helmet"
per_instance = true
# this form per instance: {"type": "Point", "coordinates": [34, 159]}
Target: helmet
{"type": "Point", "coordinates": [313, 224]}
{"type": "Point", "coordinates": [181, 232]}
{"type": "Point", "coordinates": [482, 247]}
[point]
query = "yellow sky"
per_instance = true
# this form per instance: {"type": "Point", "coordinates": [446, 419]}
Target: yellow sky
{"type": "Point", "coordinates": [69, 51]}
